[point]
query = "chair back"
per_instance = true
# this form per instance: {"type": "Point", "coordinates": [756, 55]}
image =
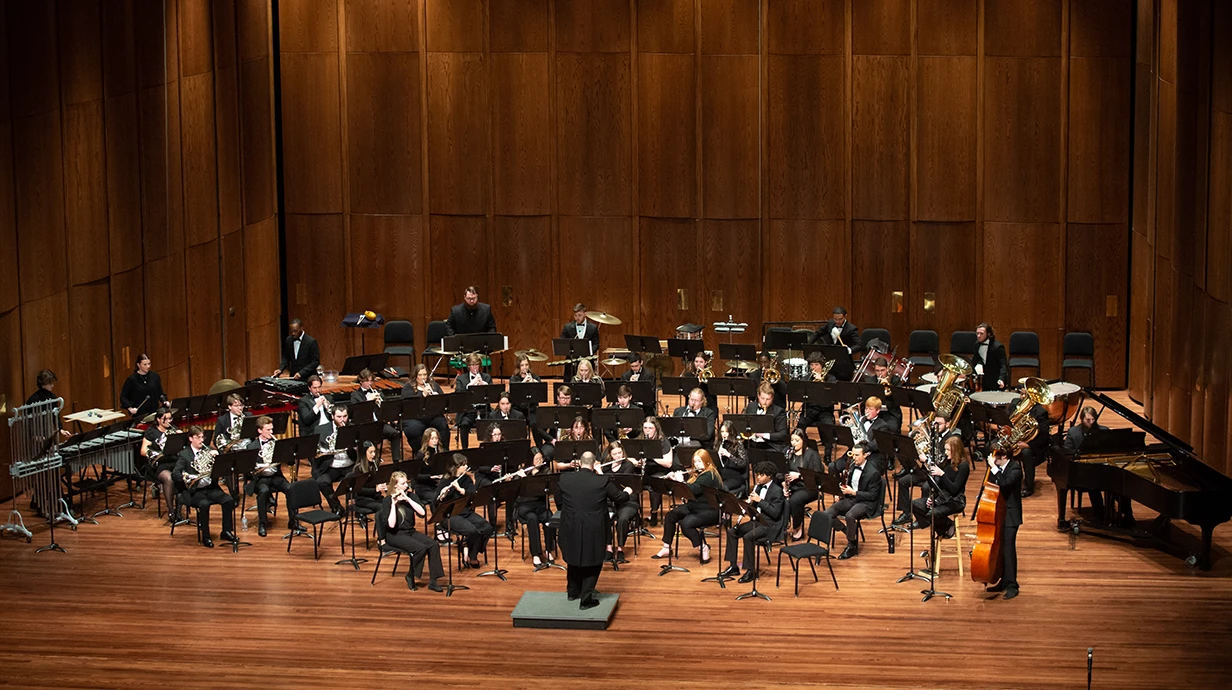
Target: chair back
{"type": "Point", "coordinates": [1081, 344]}
{"type": "Point", "coordinates": [399, 333]}
{"type": "Point", "coordinates": [963, 342]}
{"type": "Point", "coordinates": [436, 331]}
{"type": "Point", "coordinates": [820, 526]}
{"type": "Point", "coordinates": [924, 342]}
{"type": "Point", "coordinates": [1024, 343]}
{"type": "Point", "coordinates": [871, 334]}
{"type": "Point", "coordinates": [305, 493]}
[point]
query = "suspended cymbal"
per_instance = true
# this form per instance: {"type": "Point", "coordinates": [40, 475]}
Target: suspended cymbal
{"type": "Point", "coordinates": [616, 351]}
{"type": "Point", "coordinates": [742, 365]}
{"type": "Point", "coordinates": [532, 354]}
{"type": "Point", "coordinates": [149, 419]}
{"type": "Point", "coordinates": [614, 361]}
{"type": "Point", "coordinates": [603, 318]}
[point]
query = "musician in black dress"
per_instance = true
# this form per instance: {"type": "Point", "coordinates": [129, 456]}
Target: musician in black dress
{"type": "Point", "coordinates": [332, 463]}
{"type": "Point", "coordinates": [314, 408]}
{"type": "Point", "coordinates": [766, 524]}
{"type": "Point", "coordinates": [202, 490]}
{"type": "Point", "coordinates": [696, 407]}
{"type": "Point", "coordinates": [861, 485]}
{"type": "Point", "coordinates": [421, 385]}
{"type": "Point", "coordinates": [658, 464]}
{"type": "Point", "coordinates": [158, 466]}
{"type": "Point", "coordinates": [425, 482]}
{"type": "Point", "coordinates": [579, 430]}
{"type": "Point", "coordinates": [624, 401]}
{"type": "Point", "coordinates": [616, 462]}
{"type": "Point", "coordinates": [267, 478]}
{"type": "Point", "coordinates": [471, 377]}
{"type": "Point", "coordinates": [1007, 474]}
{"type": "Point", "coordinates": [367, 392]}
{"type": "Point", "coordinates": [228, 425]}
{"type": "Point", "coordinates": [801, 456]}
{"type": "Point", "coordinates": [583, 498]}
{"type": "Point", "coordinates": [951, 476]}
{"type": "Point", "coordinates": [580, 328]}
{"type": "Point", "coordinates": [940, 433]}
{"type": "Point", "coordinates": [777, 439]}
{"type": "Point", "coordinates": [301, 356]}
{"type": "Point", "coordinates": [733, 460]}
{"type": "Point", "coordinates": [456, 483]}
{"type": "Point", "coordinates": [142, 392]}
{"type": "Point", "coordinates": [991, 365]}
{"type": "Point", "coordinates": [472, 316]}
{"type": "Point", "coordinates": [839, 331]}
{"type": "Point", "coordinates": [396, 523]}
{"type": "Point", "coordinates": [368, 496]}
{"type": "Point", "coordinates": [696, 513]}
{"type": "Point", "coordinates": [534, 511]}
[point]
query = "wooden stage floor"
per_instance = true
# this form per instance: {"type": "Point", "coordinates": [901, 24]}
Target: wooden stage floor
{"type": "Point", "coordinates": [129, 606]}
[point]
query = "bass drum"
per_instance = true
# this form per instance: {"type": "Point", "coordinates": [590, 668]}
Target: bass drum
{"type": "Point", "coordinates": [1066, 401]}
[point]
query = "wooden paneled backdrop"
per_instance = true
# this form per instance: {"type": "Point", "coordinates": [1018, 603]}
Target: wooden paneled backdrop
{"type": "Point", "coordinates": [137, 194]}
{"type": "Point", "coordinates": [677, 161]}
{"type": "Point", "coordinates": [1182, 225]}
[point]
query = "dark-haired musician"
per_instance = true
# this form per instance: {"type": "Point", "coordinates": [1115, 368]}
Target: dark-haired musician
{"type": "Point", "coordinates": [1007, 474]}
{"type": "Point", "coordinates": [160, 466]}
{"type": "Point", "coordinates": [456, 483]}
{"type": "Point", "coordinates": [624, 401]}
{"type": "Point", "coordinates": [203, 491]}
{"type": "Point", "coordinates": [991, 365]}
{"type": "Point", "coordinates": [301, 356]}
{"type": "Point", "coordinates": [951, 475]}
{"type": "Point", "coordinates": [534, 511]}
{"type": "Point", "coordinates": [801, 456]}
{"type": "Point", "coordinates": [1087, 426]}
{"type": "Point", "coordinates": [1034, 452]}
{"type": "Point", "coordinates": [766, 525]}
{"type": "Point", "coordinates": [368, 392]}
{"type": "Point", "coordinates": [638, 371]}
{"type": "Point", "coordinates": [814, 414]}
{"type": "Point", "coordinates": [861, 486]}
{"type": "Point", "coordinates": [694, 368]}
{"type": "Point", "coordinates": [839, 331]}
{"type": "Point", "coordinates": [472, 316]}
{"type": "Point", "coordinates": [227, 426]}
{"type": "Point", "coordinates": [421, 385]}
{"type": "Point", "coordinates": [733, 460]}
{"type": "Point", "coordinates": [142, 392]}
{"type": "Point", "coordinates": [314, 407]}
{"type": "Point", "coordinates": [759, 374]}
{"type": "Point", "coordinates": [580, 328]}
{"type": "Point", "coordinates": [332, 463]}
{"type": "Point", "coordinates": [267, 477]}
{"type": "Point", "coordinates": [889, 407]}
{"type": "Point", "coordinates": [471, 377]}
{"type": "Point", "coordinates": [941, 432]}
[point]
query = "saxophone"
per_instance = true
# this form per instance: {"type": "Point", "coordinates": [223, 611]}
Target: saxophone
{"type": "Point", "coordinates": [852, 420]}
{"type": "Point", "coordinates": [201, 466]}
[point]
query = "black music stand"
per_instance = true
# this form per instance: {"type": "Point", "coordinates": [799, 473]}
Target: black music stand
{"type": "Point", "coordinates": [390, 411]}
{"type": "Point", "coordinates": [496, 493]}
{"type": "Point", "coordinates": [846, 393]}
{"type": "Point", "coordinates": [511, 429]}
{"type": "Point", "coordinates": [572, 450]}
{"type": "Point", "coordinates": [572, 348]}
{"type": "Point", "coordinates": [536, 486]}
{"type": "Point", "coordinates": [786, 340]}
{"type": "Point", "coordinates": [727, 504]}
{"type": "Point", "coordinates": [681, 492]}
{"type": "Point", "coordinates": [732, 386]}
{"type": "Point", "coordinates": [806, 392]}
{"type": "Point", "coordinates": [835, 352]}
{"type": "Point", "coordinates": [350, 486]}
{"type": "Point", "coordinates": [741, 351]}
{"type": "Point", "coordinates": [440, 520]}
{"type": "Point", "coordinates": [231, 466]}
{"type": "Point", "coordinates": [643, 451]}
{"type": "Point", "coordinates": [745, 424]}
{"type": "Point", "coordinates": [835, 435]}
{"type": "Point", "coordinates": [409, 467]}
{"type": "Point", "coordinates": [588, 394]}
{"type": "Point", "coordinates": [485, 394]}
{"type": "Point", "coordinates": [684, 349]}
{"type": "Point", "coordinates": [747, 508]}
{"type": "Point", "coordinates": [527, 395]}
{"type": "Point", "coordinates": [175, 443]}
{"type": "Point", "coordinates": [679, 385]}
{"type": "Point", "coordinates": [645, 344]}
{"type": "Point", "coordinates": [779, 460]}
{"type": "Point", "coordinates": [920, 401]}
{"type": "Point", "coordinates": [681, 427]}
{"type": "Point", "coordinates": [550, 418]}
{"type": "Point", "coordinates": [483, 343]}
{"type": "Point", "coordinates": [362, 412]}
{"type": "Point", "coordinates": [374, 363]}
{"type": "Point", "coordinates": [609, 418]}
{"type": "Point", "coordinates": [643, 391]}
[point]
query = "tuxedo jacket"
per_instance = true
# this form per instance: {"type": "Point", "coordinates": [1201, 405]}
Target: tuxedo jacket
{"type": "Point", "coordinates": [843, 369]}
{"type": "Point", "coordinates": [705, 413]}
{"type": "Point", "coordinates": [869, 490]}
{"type": "Point", "coordinates": [778, 438]}
{"type": "Point", "coordinates": [514, 413]}
{"type": "Point", "coordinates": [222, 425]}
{"type": "Point", "coordinates": [308, 360]}
{"type": "Point", "coordinates": [591, 333]}
{"type": "Point", "coordinates": [997, 368]}
{"type": "Point", "coordinates": [308, 419]}
{"type": "Point", "coordinates": [1009, 479]}
{"type": "Point", "coordinates": [464, 320]}
{"type": "Point", "coordinates": [770, 510]}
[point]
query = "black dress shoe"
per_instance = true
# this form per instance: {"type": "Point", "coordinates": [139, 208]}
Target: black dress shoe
{"type": "Point", "coordinates": [573, 597]}
{"type": "Point", "coordinates": [902, 519]}
{"type": "Point", "coordinates": [435, 587]}
{"type": "Point", "coordinates": [1010, 593]}
{"type": "Point", "coordinates": [260, 530]}
{"type": "Point", "coordinates": [916, 524]}
{"type": "Point", "coordinates": [995, 588]}
{"type": "Point", "coordinates": [410, 582]}
{"type": "Point", "coordinates": [207, 542]}
{"type": "Point", "coordinates": [620, 557]}
{"type": "Point", "coordinates": [589, 603]}
{"type": "Point", "coordinates": [851, 551]}
{"type": "Point", "coordinates": [654, 519]}
{"type": "Point", "coordinates": [746, 578]}
{"type": "Point", "coordinates": [1027, 492]}
{"type": "Point", "coordinates": [227, 536]}
{"type": "Point", "coordinates": [731, 571]}
{"type": "Point", "coordinates": [1062, 526]}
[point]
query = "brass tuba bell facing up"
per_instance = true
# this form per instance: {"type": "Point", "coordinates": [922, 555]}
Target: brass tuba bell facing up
{"type": "Point", "coordinates": [948, 398]}
{"type": "Point", "coordinates": [1023, 426]}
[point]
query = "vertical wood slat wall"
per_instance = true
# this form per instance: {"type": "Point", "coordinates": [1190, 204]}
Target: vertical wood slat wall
{"type": "Point", "coordinates": [677, 161]}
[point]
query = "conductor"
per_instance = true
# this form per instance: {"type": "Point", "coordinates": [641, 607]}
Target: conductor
{"type": "Point", "coordinates": [583, 500]}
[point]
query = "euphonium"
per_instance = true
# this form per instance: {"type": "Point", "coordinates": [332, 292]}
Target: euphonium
{"type": "Point", "coordinates": [852, 420]}
{"type": "Point", "coordinates": [266, 453]}
{"type": "Point", "coordinates": [948, 399]}
{"type": "Point", "coordinates": [922, 435]}
{"type": "Point", "coordinates": [1023, 426]}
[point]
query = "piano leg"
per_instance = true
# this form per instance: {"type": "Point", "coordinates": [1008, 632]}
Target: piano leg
{"type": "Point", "coordinates": [1062, 495]}
{"type": "Point", "coordinates": [1204, 558]}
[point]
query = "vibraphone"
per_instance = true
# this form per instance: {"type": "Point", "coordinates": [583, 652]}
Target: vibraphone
{"type": "Point", "coordinates": [34, 432]}
{"type": "Point", "coordinates": [113, 446]}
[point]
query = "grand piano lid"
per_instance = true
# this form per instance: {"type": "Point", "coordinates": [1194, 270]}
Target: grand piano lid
{"type": "Point", "coordinates": [1142, 423]}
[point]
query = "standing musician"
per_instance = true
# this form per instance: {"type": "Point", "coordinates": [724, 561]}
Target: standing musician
{"type": "Point", "coordinates": [332, 463]}
{"type": "Point", "coordinates": [314, 407]}
{"type": "Point", "coordinates": [205, 492]}
{"type": "Point", "coordinates": [733, 460]}
{"type": "Point", "coordinates": [700, 362]}
{"type": "Point", "coordinates": [143, 389]}
{"type": "Point", "coordinates": [758, 376]}
{"type": "Point", "coordinates": [472, 316]}
{"type": "Point", "coordinates": [625, 512]}
{"type": "Point", "coordinates": [579, 430]}
{"type": "Point", "coordinates": [583, 498]}
{"type": "Point", "coordinates": [425, 481]}
{"type": "Point", "coordinates": [396, 519]}
{"type": "Point", "coordinates": [657, 465]}
{"type": "Point", "coordinates": [227, 426]}
{"type": "Point", "coordinates": [624, 401]}
{"type": "Point", "coordinates": [801, 456]}
{"type": "Point", "coordinates": [777, 439]}
{"type": "Point", "coordinates": [421, 385]}
{"type": "Point", "coordinates": [952, 478]}
{"type": "Point", "coordinates": [471, 377]}
{"type": "Point", "coordinates": [696, 408]}
{"type": "Point", "coordinates": [839, 331]}
{"type": "Point", "coordinates": [695, 513]}
{"type": "Point", "coordinates": [580, 328]}
{"type": "Point", "coordinates": [861, 484]}
{"type": "Point", "coordinates": [1034, 452]}
{"type": "Point", "coordinates": [534, 511]}
{"type": "Point", "coordinates": [456, 483]}
{"type": "Point", "coordinates": [992, 367]}
{"type": "Point", "coordinates": [301, 356]}
{"type": "Point", "coordinates": [889, 408]}
{"type": "Point", "coordinates": [267, 476]}
{"type": "Point", "coordinates": [941, 433]}
{"type": "Point", "coordinates": [546, 440]}
{"type": "Point", "coordinates": [366, 392]}
{"type": "Point", "coordinates": [766, 525]}
{"type": "Point", "coordinates": [1007, 474]}
{"type": "Point", "coordinates": [159, 466]}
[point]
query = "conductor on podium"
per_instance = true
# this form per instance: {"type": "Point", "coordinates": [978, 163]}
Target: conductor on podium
{"type": "Point", "coordinates": [583, 497]}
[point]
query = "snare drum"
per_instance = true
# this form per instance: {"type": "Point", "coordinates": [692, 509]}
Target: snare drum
{"type": "Point", "coordinates": [1066, 399]}
{"type": "Point", "coordinates": [796, 368]}
{"type": "Point", "coordinates": [995, 398]}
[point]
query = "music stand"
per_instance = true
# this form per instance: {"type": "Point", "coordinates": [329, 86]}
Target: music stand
{"type": "Point", "coordinates": [779, 460]}
{"type": "Point", "coordinates": [487, 496]}
{"type": "Point", "coordinates": [362, 412]}
{"type": "Point", "coordinates": [231, 466]}
{"type": "Point", "coordinates": [732, 386]}
{"type": "Point", "coordinates": [745, 424]}
{"type": "Point", "coordinates": [681, 492]}
{"type": "Point", "coordinates": [373, 363]}
{"type": "Point", "coordinates": [727, 504]}
{"type": "Point", "coordinates": [806, 392]}
{"type": "Point", "coordinates": [741, 351]}
{"type": "Point", "coordinates": [440, 519]}
{"type": "Point", "coordinates": [645, 344]}
{"type": "Point", "coordinates": [573, 450]}
{"type": "Point", "coordinates": [643, 391]}
{"type": "Point", "coordinates": [175, 443]}
{"type": "Point", "coordinates": [609, 418]}
{"type": "Point", "coordinates": [483, 343]}
{"type": "Point", "coordinates": [572, 348]}
{"type": "Point", "coordinates": [588, 394]}
{"type": "Point", "coordinates": [553, 417]}
{"type": "Point", "coordinates": [921, 401]}
{"type": "Point", "coordinates": [679, 385]}
{"type": "Point", "coordinates": [846, 393]}
{"type": "Point", "coordinates": [684, 349]}
{"type": "Point", "coordinates": [786, 340]}
{"type": "Point", "coordinates": [349, 486]}
{"type": "Point", "coordinates": [382, 474]}
{"type": "Point", "coordinates": [681, 427]}
{"type": "Point", "coordinates": [511, 429]}
{"type": "Point", "coordinates": [528, 394]}
{"type": "Point", "coordinates": [390, 411]}
{"type": "Point", "coordinates": [748, 509]}
{"type": "Point", "coordinates": [835, 435]}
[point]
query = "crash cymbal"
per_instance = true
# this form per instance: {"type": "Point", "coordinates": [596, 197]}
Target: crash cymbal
{"type": "Point", "coordinates": [532, 354]}
{"type": "Point", "coordinates": [149, 419]}
{"type": "Point", "coordinates": [614, 361]}
{"type": "Point", "coordinates": [741, 365]}
{"type": "Point", "coordinates": [616, 351]}
{"type": "Point", "coordinates": [603, 318]}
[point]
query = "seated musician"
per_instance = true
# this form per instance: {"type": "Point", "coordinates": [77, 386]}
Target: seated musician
{"type": "Point", "coordinates": [267, 476]}
{"type": "Point", "coordinates": [758, 376]}
{"type": "Point", "coordinates": [367, 392]}
{"type": "Point", "coordinates": [889, 408]}
{"type": "Point", "coordinates": [582, 329]}
{"type": "Point", "coordinates": [696, 407]}
{"type": "Point", "coordinates": [471, 377]}
{"type": "Point", "coordinates": [952, 477]}
{"type": "Point", "coordinates": [579, 430]}
{"type": "Point", "coordinates": [1034, 452]}
{"type": "Point", "coordinates": [202, 490]}
{"type": "Point", "coordinates": [421, 385]}
{"type": "Point", "coordinates": [1087, 426]}
{"type": "Point", "coordinates": [314, 407]}
{"type": "Point", "coordinates": [873, 422]}
{"type": "Point", "coordinates": [505, 410]}
{"type": "Point", "coordinates": [534, 511]}
{"type": "Point", "coordinates": [658, 464]}
{"type": "Point", "coordinates": [624, 401]}
{"type": "Point", "coordinates": [425, 482]}
{"type": "Point", "coordinates": [861, 483]}
{"type": "Point", "coordinates": [159, 467]}
{"type": "Point", "coordinates": [523, 373]}
{"type": "Point", "coordinates": [227, 426]}
{"type": "Point", "coordinates": [476, 531]}
{"type": "Point", "coordinates": [545, 441]}
{"type": "Point", "coordinates": [766, 524]}
{"type": "Point", "coordinates": [586, 373]}
{"type": "Point", "coordinates": [1007, 474]}
{"type": "Point", "coordinates": [332, 463]}
{"type": "Point", "coordinates": [733, 460]}
{"type": "Point", "coordinates": [813, 414]}
{"type": "Point", "coordinates": [638, 371]}
{"type": "Point", "coordinates": [777, 439]}
{"type": "Point", "coordinates": [941, 432]}
{"type": "Point", "coordinates": [695, 513]}
{"type": "Point", "coordinates": [700, 362]}
{"type": "Point", "coordinates": [625, 512]}
{"type": "Point", "coordinates": [396, 518]}
{"type": "Point", "coordinates": [801, 456]}
{"type": "Point", "coordinates": [839, 331]}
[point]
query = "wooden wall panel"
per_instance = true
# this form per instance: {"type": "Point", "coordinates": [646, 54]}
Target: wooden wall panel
{"type": "Point", "coordinates": [1022, 29]}
{"type": "Point", "coordinates": [940, 254]}
{"type": "Point", "coordinates": [227, 142]}
{"type": "Point", "coordinates": [593, 125]}
{"type": "Point", "coordinates": [592, 26]}
{"type": "Point", "coordinates": [391, 279]}
{"type": "Point", "coordinates": [118, 50]}
{"type": "Point", "coordinates": [518, 26]}
{"type": "Point", "coordinates": [881, 27]}
{"type": "Point", "coordinates": [85, 192]}
{"type": "Point", "coordinates": [455, 25]}
{"type": "Point", "coordinates": [1219, 230]}
{"type": "Point", "coordinates": [947, 27]}
{"type": "Point", "coordinates": [128, 300]}
{"type": "Point", "coordinates": [733, 264]}
{"type": "Point", "coordinates": [257, 137]}
{"type": "Point", "coordinates": [1099, 127]}
{"type": "Point", "coordinates": [89, 314]}
{"type": "Point", "coordinates": [32, 45]}
{"type": "Point", "coordinates": [666, 272]}
{"type": "Point", "coordinates": [1022, 139]}
{"type": "Point", "coordinates": [38, 168]}
{"type": "Point", "coordinates": [450, 237]}
{"type": "Point", "coordinates": [166, 327]}
{"type": "Point", "coordinates": [946, 138]}
{"type": "Point", "coordinates": [196, 39]}
{"type": "Point", "coordinates": [730, 27]}
{"type": "Point", "coordinates": [316, 281]}
{"type": "Point", "coordinates": [601, 252]}
{"type": "Point", "coordinates": [880, 138]}
{"type": "Point", "coordinates": [1221, 60]}
{"type": "Point", "coordinates": [79, 41]}
{"type": "Point", "coordinates": [308, 26]}
{"type": "Point", "coordinates": [1096, 294]}
{"type": "Point", "coordinates": [13, 383]}
{"type": "Point", "coordinates": [1101, 28]}
{"type": "Point", "coordinates": [383, 26]}
{"type": "Point", "coordinates": [1166, 173]}
{"type": "Point", "coordinates": [805, 146]}
{"type": "Point", "coordinates": [162, 218]}
{"type": "Point", "coordinates": [521, 134]}
{"type": "Point", "coordinates": [1012, 251]}
{"type": "Point", "coordinates": [200, 159]}
{"type": "Point", "coordinates": [730, 137]}
{"type": "Point", "coordinates": [225, 34]}
{"type": "Point", "coordinates": [878, 271]}
{"type": "Point", "coordinates": [234, 311]}
{"type": "Point", "coordinates": [667, 135]}
{"type": "Point", "coordinates": [805, 27]}
{"type": "Point", "coordinates": [537, 313]}
{"type": "Point", "coordinates": [665, 26]}
{"type": "Point", "coordinates": [311, 133]}
{"type": "Point", "coordinates": [46, 344]}
{"type": "Point", "coordinates": [459, 161]}
{"type": "Point", "coordinates": [383, 123]}
{"type": "Point", "coordinates": [149, 29]}
{"type": "Point", "coordinates": [796, 251]}
{"type": "Point", "coordinates": [253, 29]}
{"type": "Point", "coordinates": [9, 295]}
{"type": "Point", "coordinates": [264, 346]}
{"type": "Point", "coordinates": [261, 280]}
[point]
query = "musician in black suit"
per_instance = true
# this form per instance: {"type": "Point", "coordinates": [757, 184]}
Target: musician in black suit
{"type": "Point", "coordinates": [889, 407]}
{"type": "Point", "coordinates": [205, 492]}
{"type": "Point", "coordinates": [583, 497]}
{"type": "Point", "coordinates": [873, 422]}
{"type": "Point", "coordinates": [367, 392]}
{"type": "Point", "coordinates": [990, 363]}
{"type": "Point", "coordinates": [839, 331]}
{"type": "Point", "coordinates": [580, 328]}
{"type": "Point", "coordinates": [758, 375]}
{"type": "Point", "coordinates": [332, 464]}
{"type": "Point", "coordinates": [471, 377]}
{"type": "Point", "coordinates": [1007, 474]}
{"type": "Point", "coordinates": [300, 353]}
{"type": "Point", "coordinates": [638, 371]}
{"type": "Point", "coordinates": [777, 439]}
{"type": "Point", "coordinates": [314, 407]}
{"type": "Point", "coordinates": [505, 411]}
{"type": "Point", "coordinates": [1086, 427]}
{"type": "Point", "coordinates": [624, 401]}
{"type": "Point", "coordinates": [396, 527]}
{"type": "Point", "coordinates": [232, 418]}
{"type": "Point", "coordinates": [472, 316]}
{"type": "Point", "coordinates": [940, 433]}
{"type": "Point", "coordinates": [697, 408]}
{"type": "Point", "coordinates": [267, 478]}
{"type": "Point", "coordinates": [1034, 452]}
{"type": "Point", "coordinates": [951, 476]}
{"type": "Point", "coordinates": [861, 487]}
{"type": "Point", "coordinates": [766, 497]}
{"type": "Point", "coordinates": [420, 385]}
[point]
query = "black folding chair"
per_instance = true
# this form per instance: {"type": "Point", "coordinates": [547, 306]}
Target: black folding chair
{"type": "Point", "coordinates": [819, 533]}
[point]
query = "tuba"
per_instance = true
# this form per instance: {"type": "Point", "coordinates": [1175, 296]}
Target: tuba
{"type": "Point", "coordinates": [1023, 426]}
{"type": "Point", "coordinates": [948, 399]}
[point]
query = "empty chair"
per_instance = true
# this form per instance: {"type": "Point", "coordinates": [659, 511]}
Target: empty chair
{"type": "Point", "coordinates": [963, 343]}
{"type": "Point", "coordinates": [432, 348]}
{"type": "Point", "coordinates": [871, 334]}
{"type": "Point", "coordinates": [1024, 350]}
{"type": "Point", "coordinates": [923, 348]}
{"type": "Point", "coordinates": [816, 548]}
{"type": "Point", "coordinates": [400, 340]}
{"type": "Point", "coordinates": [1078, 352]}
{"type": "Point", "coordinates": [304, 506]}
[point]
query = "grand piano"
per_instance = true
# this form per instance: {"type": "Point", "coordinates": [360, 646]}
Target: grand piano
{"type": "Point", "coordinates": [1165, 477]}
